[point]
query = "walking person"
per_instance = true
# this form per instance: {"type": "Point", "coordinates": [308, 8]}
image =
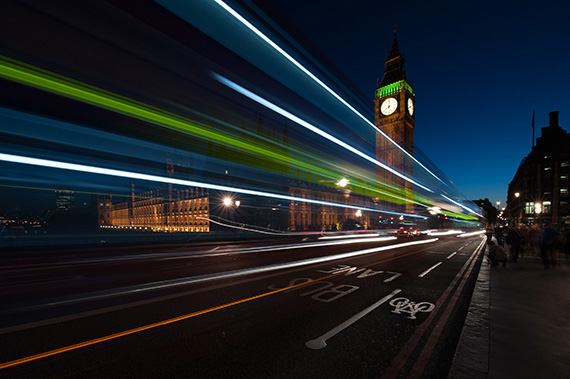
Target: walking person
{"type": "Point", "coordinates": [514, 241]}
{"type": "Point", "coordinates": [549, 243]}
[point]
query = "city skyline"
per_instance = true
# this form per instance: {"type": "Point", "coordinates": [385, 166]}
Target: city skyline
{"type": "Point", "coordinates": [478, 75]}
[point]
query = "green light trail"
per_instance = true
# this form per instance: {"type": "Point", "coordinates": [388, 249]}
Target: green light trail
{"type": "Point", "coordinates": [48, 81]}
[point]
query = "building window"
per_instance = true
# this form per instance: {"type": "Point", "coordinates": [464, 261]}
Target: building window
{"type": "Point", "coordinates": [563, 177]}
{"type": "Point", "coordinates": [547, 168]}
{"type": "Point", "coordinates": [563, 191]}
{"type": "Point", "coordinates": [546, 205]}
{"type": "Point", "coordinates": [529, 208]}
{"type": "Point", "coordinates": [564, 164]}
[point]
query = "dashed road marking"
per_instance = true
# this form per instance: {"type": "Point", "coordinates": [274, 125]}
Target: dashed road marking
{"type": "Point", "coordinates": [451, 255]}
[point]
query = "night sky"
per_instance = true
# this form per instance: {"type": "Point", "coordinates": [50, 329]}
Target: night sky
{"type": "Point", "coordinates": [479, 70]}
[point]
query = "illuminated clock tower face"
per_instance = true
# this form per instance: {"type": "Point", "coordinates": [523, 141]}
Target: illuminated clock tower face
{"type": "Point", "coordinates": [389, 106]}
{"type": "Point", "coordinates": [410, 106]}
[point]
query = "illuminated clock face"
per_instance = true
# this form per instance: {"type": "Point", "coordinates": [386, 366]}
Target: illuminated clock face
{"type": "Point", "coordinates": [410, 107]}
{"type": "Point", "coordinates": [389, 106]}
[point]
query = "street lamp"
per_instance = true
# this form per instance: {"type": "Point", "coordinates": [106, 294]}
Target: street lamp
{"type": "Point", "coordinates": [517, 194]}
{"type": "Point", "coordinates": [343, 182]}
{"type": "Point", "coordinates": [498, 204]}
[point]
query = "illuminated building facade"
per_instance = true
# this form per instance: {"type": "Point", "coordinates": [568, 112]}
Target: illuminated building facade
{"type": "Point", "coordinates": [158, 210]}
{"type": "Point", "coordinates": [539, 191]}
{"type": "Point", "coordinates": [394, 110]}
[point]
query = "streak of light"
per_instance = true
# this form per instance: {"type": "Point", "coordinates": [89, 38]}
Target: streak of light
{"type": "Point", "coordinates": [161, 179]}
{"type": "Point", "coordinates": [310, 127]}
{"type": "Point", "coordinates": [349, 236]}
{"type": "Point", "coordinates": [244, 228]}
{"type": "Point", "coordinates": [235, 273]}
{"type": "Point", "coordinates": [317, 80]}
{"type": "Point", "coordinates": [461, 205]}
{"type": "Point", "coordinates": [191, 315]}
{"type": "Point", "coordinates": [471, 234]}
{"type": "Point", "coordinates": [446, 233]}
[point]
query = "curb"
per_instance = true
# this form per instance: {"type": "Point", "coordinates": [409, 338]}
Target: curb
{"type": "Point", "coordinates": [471, 360]}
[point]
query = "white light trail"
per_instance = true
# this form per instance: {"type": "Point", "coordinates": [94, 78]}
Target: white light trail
{"type": "Point", "coordinates": [317, 80]}
{"type": "Point", "coordinates": [235, 273]}
{"type": "Point", "coordinates": [461, 205]}
{"type": "Point", "coordinates": [350, 236]}
{"type": "Point", "coordinates": [446, 233]}
{"type": "Point", "coordinates": [161, 179]}
{"type": "Point", "coordinates": [312, 128]}
{"type": "Point", "coordinates": [471, 234]}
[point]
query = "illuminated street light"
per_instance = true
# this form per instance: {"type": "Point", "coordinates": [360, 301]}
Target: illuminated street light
{"type": "Point", "coordinates": [227, 201]}
{"type": "Point", "coordinates": [343, 182]}
{"type": "Point", "coordinates": [537, 208]}
{"type": "Point", "coordinates": [237, 203]}
{"type": "Point", "coordinates": [517, 194]}
{"type": "Point", "coordinates": [358, 213]}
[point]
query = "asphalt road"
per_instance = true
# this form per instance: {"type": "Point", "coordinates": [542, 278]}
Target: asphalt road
{"type": "Point", "coordinates": [299, 308]}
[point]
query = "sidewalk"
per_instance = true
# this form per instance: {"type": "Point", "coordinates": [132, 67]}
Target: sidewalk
{"type": "Point", "coordinates": [518, 324]}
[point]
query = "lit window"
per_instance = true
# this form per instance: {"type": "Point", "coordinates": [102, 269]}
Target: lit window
{"type": "Point", "coordinates": [563, 191]}
{"type": "Point", "coordinates": [529, 208]}
{"type": "Point", "coordinates": [563, 177]}
{"type": "Point", "coordinates": [546, 168]}
{"type": "Point", "coordinates": [564, 164]}
{"type": "Point", "coordinates": [546, 206]}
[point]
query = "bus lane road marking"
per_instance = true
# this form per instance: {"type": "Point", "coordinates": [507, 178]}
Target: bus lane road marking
{"type": "Point", "coordinates": [320, 342]}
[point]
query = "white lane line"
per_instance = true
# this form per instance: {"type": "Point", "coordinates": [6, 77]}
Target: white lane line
{"type": "Point", "coordinates": [451, 255]}
{"type": "Point", "coordinates": [461, 248]}
{"type": "Point", "coordinates": [429, 269]}
{"type": "Point", "coordinates": [320, 342]}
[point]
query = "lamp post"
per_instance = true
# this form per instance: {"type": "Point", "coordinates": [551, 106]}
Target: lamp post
{"type": "Point", "coordinates": [537, 210]}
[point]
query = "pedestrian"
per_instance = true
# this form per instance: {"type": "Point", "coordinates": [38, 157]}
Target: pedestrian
{"type": "Point", "coordinates": [499, 235]}
{"type": "Point", "coordinates": [535, 240]}
{"type": "Point", "coordinates": [548, 245]}
{"type": "Point", "coordinates": [566, 243]}
{"type": "Point", "coordinates": [514, 241]}
{"type": "Point", "coordinates": [496, 254]}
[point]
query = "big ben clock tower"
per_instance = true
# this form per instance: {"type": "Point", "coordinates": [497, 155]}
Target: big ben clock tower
{"type": "Point", "coordinates": [394, 106]}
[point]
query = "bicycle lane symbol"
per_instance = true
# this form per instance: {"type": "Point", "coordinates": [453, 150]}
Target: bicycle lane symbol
{"type": "Point", "coordinates": [404, 305]}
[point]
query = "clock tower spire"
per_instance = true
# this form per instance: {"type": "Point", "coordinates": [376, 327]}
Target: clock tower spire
{"type": "Point", "coordinates": [394, 64]}
{"type": "Point", "coordinates": [394, 106]}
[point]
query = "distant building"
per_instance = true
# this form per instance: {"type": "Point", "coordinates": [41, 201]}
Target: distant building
{"type": "Point", "coordinates": [539, 189]}
{"type": "Point", "coordinates": [158, 210]}
{"type": "Point", "coordinates": [64, 200]}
